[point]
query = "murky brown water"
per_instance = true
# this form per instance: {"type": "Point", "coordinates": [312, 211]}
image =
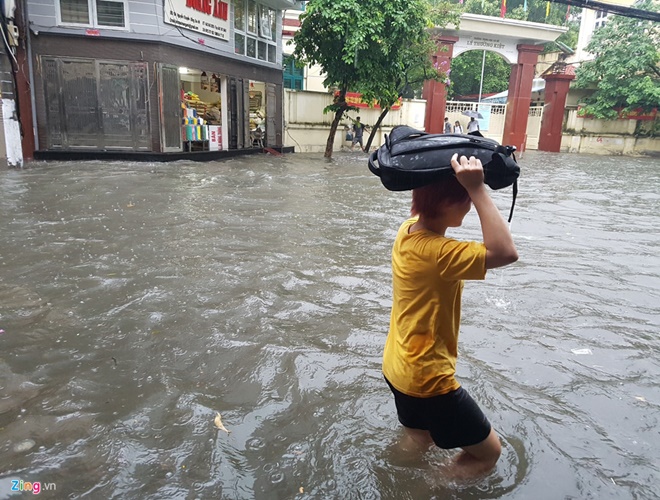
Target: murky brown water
{"type": "Point", "coordinates": [137, 300]}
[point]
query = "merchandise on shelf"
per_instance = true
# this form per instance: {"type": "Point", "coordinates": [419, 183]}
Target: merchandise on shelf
{"type": "Point", "coordinates": [195, 133]}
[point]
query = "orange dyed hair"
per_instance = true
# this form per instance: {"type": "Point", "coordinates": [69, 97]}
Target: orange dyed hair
{"type": "Point", "coordinates": [430, 200]}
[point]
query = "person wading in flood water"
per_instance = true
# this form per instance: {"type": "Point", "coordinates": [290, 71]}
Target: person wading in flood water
{"type": "Point", "coordinates": [419, 360]}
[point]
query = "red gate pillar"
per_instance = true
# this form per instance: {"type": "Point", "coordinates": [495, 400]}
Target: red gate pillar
{"type": "Point", "coordinates": [434, 92]}
{"type": "Point", "coordinates": [557, 81]}
{"type": "Point", "coordinates": [520, 96]}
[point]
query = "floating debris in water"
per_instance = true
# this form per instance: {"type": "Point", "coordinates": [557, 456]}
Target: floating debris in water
{"type": "Point", "coordinates": [581, 351]}
{"type": "Point", "coordinates": [24, 446]}
{"type": "Point", "coordinates": [1, 331]}
{"type": "Point", "coordinates": [218, 423]}
{"type": "Point", "coordinates": [640, 398]}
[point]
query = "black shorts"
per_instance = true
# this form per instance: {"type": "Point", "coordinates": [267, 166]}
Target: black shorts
{"type": "Point", "coordinates": [453, 419]}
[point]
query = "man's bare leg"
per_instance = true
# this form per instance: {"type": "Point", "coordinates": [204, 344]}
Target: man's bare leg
{"type": "Point", "coordinates": [415, 440]}
{"type": "Point", "coordinates": [477, 460]}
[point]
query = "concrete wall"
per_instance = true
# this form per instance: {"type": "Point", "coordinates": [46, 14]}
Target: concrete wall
{"type": "Point", "coordinates": [609, 137]}
{"type": "Point", "coordinates": [306, 127]}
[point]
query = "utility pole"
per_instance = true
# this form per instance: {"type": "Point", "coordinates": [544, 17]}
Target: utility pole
{"type": "Point", "coordinates": [481, 82]}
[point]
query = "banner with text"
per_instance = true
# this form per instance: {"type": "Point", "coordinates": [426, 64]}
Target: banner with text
{"type": "Point", "coordinates": [209, 17]}
{"type": "Point", "coordinates": [355, 99]}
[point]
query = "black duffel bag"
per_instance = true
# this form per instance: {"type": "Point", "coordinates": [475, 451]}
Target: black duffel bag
{"type": "Point", "coordinates": [411, 158]}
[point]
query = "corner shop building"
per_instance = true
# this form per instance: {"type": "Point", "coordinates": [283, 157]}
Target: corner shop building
{"type": "Point", "coordinates": [116, 75]}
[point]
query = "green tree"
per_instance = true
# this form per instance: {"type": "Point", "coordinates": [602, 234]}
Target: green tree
{"type": "Point", "coordinates": [407, 63]}
{"type": "Point", "coordinates": [466, 73]}
{"type": "Point", "coordinates": [515, 9]}
{"type": "Point", "coordinates": [626, 70]}
{"type": "Point", "coordinates": [367, 46]}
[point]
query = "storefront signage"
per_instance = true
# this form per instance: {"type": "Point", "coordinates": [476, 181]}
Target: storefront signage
{"type": "Point", "coordinates": [215, 138]}
{"type": "Point", "coordinates": [210, 17]}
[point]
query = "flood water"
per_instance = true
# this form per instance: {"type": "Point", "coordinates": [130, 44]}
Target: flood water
{"type": "Point", "coordinates": [137, 300]}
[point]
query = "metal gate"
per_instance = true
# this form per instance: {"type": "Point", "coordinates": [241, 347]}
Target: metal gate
{"type": "Point", "coordinates": [170, 107]}
{"type": "Point", "coordinates": [233, 113]}
{"type": "Point", "coordinates": [94, 104]}
{"type": "Point", "coordinates": [239, 122]}
{"type": "Point", "coordinates": [271, 107]}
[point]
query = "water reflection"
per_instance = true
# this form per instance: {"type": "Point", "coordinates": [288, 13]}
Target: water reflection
{"type": "Point", "coordinates": [138, 300]}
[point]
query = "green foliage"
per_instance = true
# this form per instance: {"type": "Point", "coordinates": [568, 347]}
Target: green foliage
{"type": "Point", "coordinates": [536, 12]}
{"type": "Point", "coordinates": [515, 9]}
{"type": "Point", "coordinates": [626, 70]}
{"type": "Point", "coordinates": [466, 73]}
{"type": "Point", "coordinates": [375, 47]}
{"type": "Point", "coordinates": [325, 39]}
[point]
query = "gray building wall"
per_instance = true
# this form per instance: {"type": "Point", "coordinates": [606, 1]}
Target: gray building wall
{"type": "Point", "coordinates": [145, 21]}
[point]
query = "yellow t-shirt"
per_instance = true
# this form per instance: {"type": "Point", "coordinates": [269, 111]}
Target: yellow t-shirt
{"type": "Point", "coordinates": [427, 278]}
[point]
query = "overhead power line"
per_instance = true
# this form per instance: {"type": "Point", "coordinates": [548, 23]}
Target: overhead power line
{"type": "Point", "coordinates": [621, 10]}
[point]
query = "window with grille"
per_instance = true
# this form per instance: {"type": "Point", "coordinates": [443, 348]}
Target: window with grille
{"type": "Point", "coordinates": [94, 13]}
{"type": "Point", "coordinates": [255, 33]}
{"type": "Point", "coordinates": [294, 76]}
{"type": "Point", "coordinates": [601, 19]}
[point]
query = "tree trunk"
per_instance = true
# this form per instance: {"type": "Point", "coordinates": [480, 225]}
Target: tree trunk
{"type": "Point", "coordinates": [333, 129]}
{"type": "Point", "coordinates": [375, 128]}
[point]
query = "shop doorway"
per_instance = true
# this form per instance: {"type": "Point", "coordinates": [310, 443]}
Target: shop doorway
{"type": "Point", "coordinates": [258, 114]}
{"type": "Point", "coordinates": [202, 100]}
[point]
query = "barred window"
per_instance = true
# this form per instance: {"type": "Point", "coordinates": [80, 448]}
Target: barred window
{"type": "Point", "coordinates": [110, 13]}
{"type": "Point", "coordinates": [94, 13]}
{"type": "Point", "coordinates": [74, 11]}
{"type": "Point", "coordinates": [255, 30]}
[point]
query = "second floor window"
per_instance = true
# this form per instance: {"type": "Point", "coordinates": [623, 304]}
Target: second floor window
{"type": "Point", "coordinates": [255, 33]}
{"type": "Point", "coordinates": [95, 13]}
{"type": "Point", "coordinates": [294, 76]}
